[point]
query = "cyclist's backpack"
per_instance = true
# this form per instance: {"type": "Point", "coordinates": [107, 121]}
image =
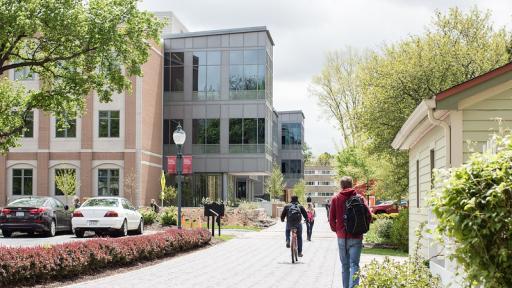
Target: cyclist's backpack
{"type": "Point", "coordinates": [294, 216]}
{"type": "Point", "coordinates": [357, 221]}
{"type": "Point", "coordinates": [311, 217]}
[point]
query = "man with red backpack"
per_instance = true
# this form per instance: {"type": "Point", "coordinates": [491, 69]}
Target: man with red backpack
{"type": "Point", "coordinates": [294, 212]}
{"type": "Point", "coordinates": [350, 218]}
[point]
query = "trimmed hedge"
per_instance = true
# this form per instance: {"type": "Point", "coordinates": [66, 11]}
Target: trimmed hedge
{"type": "Point", "coordinates": [42, 264]}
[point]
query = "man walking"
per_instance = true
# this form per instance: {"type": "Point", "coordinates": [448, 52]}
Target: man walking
{"type": "Point", "coordinates": [294, 212]}
{"type": "Point", "coordinates": [350, 245]}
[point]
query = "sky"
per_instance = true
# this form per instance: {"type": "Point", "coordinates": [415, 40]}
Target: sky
{"type": "Point", "coordinates": [305, 30]}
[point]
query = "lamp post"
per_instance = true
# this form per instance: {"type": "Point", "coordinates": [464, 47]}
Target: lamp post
{"type": "Point", "coordinates": [179, 137]}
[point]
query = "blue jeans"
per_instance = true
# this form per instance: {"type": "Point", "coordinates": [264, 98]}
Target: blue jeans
{"type": "Point", "coordinates": [299, 237]}
{"type": "Point", "coordinates": [350, 260]}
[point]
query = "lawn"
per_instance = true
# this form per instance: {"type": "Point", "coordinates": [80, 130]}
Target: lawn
{"type": "Point", "coordinates": [384, 251]}
{"type": "Point", "coordinates": [225, 237]}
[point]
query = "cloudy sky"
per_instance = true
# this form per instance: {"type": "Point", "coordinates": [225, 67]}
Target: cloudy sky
{"type": "Point", "coordinates": [304, 30]}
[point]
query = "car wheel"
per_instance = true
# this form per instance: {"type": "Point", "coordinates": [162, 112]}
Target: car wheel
{"type": "Point", "coordinates": [7, 233]}
{"type": "Point", "coordinates": [124, 229]}
{"type": "Point", "coordinates": [140, 229]}
{"type": "Point", "coordinates": [79, 233]}
{"type": "Point", "coordinates": [53, 229]}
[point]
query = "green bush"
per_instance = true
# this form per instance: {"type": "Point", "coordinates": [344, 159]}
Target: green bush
{"type": "Point", "coordinates": [380, 231]}
{"type": "Point", "coordinates": [384, 216]}
{"type": "Point", "coordinates": [148, 215]}
{"type": "Point", "coordinates": [399, 234]}
{"type": "Point", "coordinates": [473, 206]}
{"type": "Point", "coordinates": [169, 216]}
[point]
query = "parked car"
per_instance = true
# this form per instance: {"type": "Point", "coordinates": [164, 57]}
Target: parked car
{"type": "Point", "coordinates": [107, 215]}
{"type": "Point", "coordinates": [385, 207]}
{"type": "Point", "coordinates": [35, 215]}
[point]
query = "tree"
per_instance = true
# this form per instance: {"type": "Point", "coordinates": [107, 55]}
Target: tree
{"type": "Point", "coordinates": [130, 185]}
{"type": "Point", "coordinates": [299, 189]}
{"type": "Point", "coordinates": [67, 182]}
{"type": "Point", "coordinates": [275, 183]}
{"type": "Point", "coordinates": [308, 155]}
{"type": "Point", "coordinates": [168, 195]}
{"type": "Point", "coordinates": [338, 92]}
{"type": "Point", "coordinates": [324, 159]}
{"type": "Point", "coordinates": [393, 81]}
{"type": "Point", "coordinates": [75, 47]}
{"type": "Point", "coordinates": [354, 162]}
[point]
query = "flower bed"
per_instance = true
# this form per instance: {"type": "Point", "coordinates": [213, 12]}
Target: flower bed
{"type": "Point", "coordinates": [62, 261]}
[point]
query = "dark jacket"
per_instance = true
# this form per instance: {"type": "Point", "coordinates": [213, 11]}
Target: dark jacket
{"type": "Point", "coordinates": [337, 213]}
{"type": "Point", "coordinates": [285, 212]}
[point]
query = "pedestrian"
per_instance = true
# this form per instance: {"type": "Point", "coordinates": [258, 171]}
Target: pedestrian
{"type": "Point", "coordinates": [311, 220]}
{"type": "Point", "coordinates": [349, 245]}
{"type": "Point", "coordinates": [155, 206]}
{"type": "Point", "coordinates": [327, 207]}
{"type": "Point", "coordinates": [76, 202]}
{"type": "Point", "coordinates": [293, 212]}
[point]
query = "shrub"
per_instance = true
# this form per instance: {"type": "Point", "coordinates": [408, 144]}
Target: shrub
{"type": "Point", "coordinates": [246, 206]}
{"type": "Point", "coordinates": [399, 234]}
{"type": "Point", "coordinates": [380, 231]}
{"type": "Point", "coordinates": [169, 216]}
{"type": "Point", "coordinates": [148, 215]}
{"type": "Point", "coordinates": [473, 207]}
{"type": "Point", "coordinates": [384, 216]}
{"type": "Point", "coordinates": [41, 264]}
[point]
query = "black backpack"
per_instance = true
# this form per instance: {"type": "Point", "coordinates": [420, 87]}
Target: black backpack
{"type": "Point", "coordinates": [294, 216]}
{"type": "Point", "coordinates": [357, 221]}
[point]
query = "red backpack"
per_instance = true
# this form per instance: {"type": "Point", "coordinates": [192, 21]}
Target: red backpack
{"type": "Point", "coordinates": [311, 216]}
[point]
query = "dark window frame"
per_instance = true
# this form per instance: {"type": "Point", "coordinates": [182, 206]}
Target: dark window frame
{"type": "Point", "coordinates": [63, 132]}
{"type": "Point", "coordinates": [23, 177]}
{"type": "Point", "coordinates": [109, 177]}
{"type": "Point", "coordinates": [109, 120]}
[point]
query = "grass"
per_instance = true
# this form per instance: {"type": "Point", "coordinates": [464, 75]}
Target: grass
{"type": "Point", "coordinates": [224, 237]}
{"type": "Point", "coordinates": [237, 227]}
{"type": "Point", "coordinates": [384, 251]}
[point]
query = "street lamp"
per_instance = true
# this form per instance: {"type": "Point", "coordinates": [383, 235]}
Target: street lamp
{"type": "Point", "coordinates": [179, 137]}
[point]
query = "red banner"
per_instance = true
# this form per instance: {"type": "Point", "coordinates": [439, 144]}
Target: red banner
{"type": "Point", "coordinates": [187, 164]}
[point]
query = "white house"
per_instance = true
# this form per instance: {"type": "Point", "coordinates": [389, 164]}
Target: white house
{"type": "Point", "coordinates": [442, 132]}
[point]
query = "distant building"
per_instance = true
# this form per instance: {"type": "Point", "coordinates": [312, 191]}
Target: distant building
{"type": "Point", "coordinates": [321, 183]}
{"type": "Point", "coordinates": [291, 157]}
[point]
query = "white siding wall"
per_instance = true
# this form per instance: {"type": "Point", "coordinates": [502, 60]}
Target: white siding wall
{"type": "Point", "coordinates": [479, 121]}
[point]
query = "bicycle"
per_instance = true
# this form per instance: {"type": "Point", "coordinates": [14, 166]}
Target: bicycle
{"type": "Point", "coordinates": [294, 246]}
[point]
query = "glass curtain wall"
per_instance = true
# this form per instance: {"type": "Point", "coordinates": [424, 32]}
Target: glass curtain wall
{"type": "Point", "coordinates": [206, 75]}
{"type": "Point", "coordinates": [291, 168]}
{"type": "Point", "coordinates": [291, 136]}
{"type": "Point", "coordinates": [205, 136]}
{"type": "Point", "coordinates": [170, 126]}
{"type": "Point", "coordinates": [247, 74]}
{"type": "Point", "coordinates": [247, 135]}
{"type": "Point", "coordinates": [177, 72]}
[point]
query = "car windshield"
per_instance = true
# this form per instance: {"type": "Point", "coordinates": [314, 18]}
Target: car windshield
{"type": "Point", "coordinates": [101, 202]}
{"type": "Point", "coordinates": [27, 202]}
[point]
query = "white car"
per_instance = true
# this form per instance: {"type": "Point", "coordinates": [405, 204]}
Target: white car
{"type": "Point", "coordinates": [112, 215]}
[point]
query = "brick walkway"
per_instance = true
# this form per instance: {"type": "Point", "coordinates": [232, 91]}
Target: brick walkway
{"type": "Point", "coordinates": [255, 259]}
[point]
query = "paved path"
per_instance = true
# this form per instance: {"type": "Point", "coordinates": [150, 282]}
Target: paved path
{"type": "Point", "coordinates": [254, 259]}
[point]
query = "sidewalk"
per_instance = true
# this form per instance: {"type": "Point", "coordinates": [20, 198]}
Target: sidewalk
{"type": "Point", "coordinates": [253, 259]}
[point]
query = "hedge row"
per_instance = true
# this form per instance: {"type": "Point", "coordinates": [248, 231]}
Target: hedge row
{"type": "Point", "coordinates": [62, 261]}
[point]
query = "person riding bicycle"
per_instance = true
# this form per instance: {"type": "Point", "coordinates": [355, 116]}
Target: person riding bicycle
{"type": "Point", "coordinates": [294, 212]}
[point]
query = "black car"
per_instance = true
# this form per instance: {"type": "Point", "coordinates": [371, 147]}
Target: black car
{"type": "Point", "coordinates": [35, 215]}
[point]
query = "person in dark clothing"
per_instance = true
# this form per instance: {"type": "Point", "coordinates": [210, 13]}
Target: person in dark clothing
{"type": "Point", "coordinates": [289, 224]}
{"type": "Point", "coordinates": [328, 207]}
{"type": "Point", "coordinates": [155, 206]}
{"type": "Point", "coordinates": [76, 202]}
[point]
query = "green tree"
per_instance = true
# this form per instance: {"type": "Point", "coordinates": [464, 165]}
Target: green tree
{"type": "Point", "coordinates": [75, 47]}
{"type": "Point", "coordinates": [338, 92]}
{"type": "Point", "coordinates": [354, 162]}
{"type": "Point", "coordinates": [67, 182]}
{"type": "Point", "coordinates": [308, 155]}
{"type": "Point", "coordinates": [168, 195]}
{"type": "Point", "coordinates": [275, 183]}
{"type": "Point", "coordinates": [393, 81]}
{"type": "Point", "coordinates": [299, 189]}
{"type": "Point", "coordinates": [324, 159]}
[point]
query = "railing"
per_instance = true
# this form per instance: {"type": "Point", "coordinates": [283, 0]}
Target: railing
{"type": "Point", "coordinates": [205, 149]}
{"type": "Point", "coordinates": [248, 148]}
{"type": "Point", "coordinates": [291, 146]}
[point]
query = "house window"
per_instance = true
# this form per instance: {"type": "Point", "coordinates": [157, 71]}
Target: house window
{"type": "Point", "coordinates": [310, 183]}
{"type": "Point", "coordinates": [309, 172]}
{"type": "Point", "coordinates": [59, 192]}
{"type": "Point", "coordinates": [68, 131]}
{"type": "Point", "coordinates": [206, 75]}
{"type": "Point", "coordinates": [23, 73]}
{"type": "Point", "coordinates": [108, 182]}
{"type": "Point", "coordinates": [28, 132]}
{"type": "Point", "coordinates": [108, 124]}
{"type": "Point", "coordinates": [177, 72]}
{"type": "Point", "coordinates": [21, 181]}
{"type": "Point", "coordinates": [417, 183]}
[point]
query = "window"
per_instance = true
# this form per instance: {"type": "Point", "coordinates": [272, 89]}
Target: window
{"type": "Point", "coordinates": [59, 192]}
{"type": "Point", "coordinates": [206, 75]}
{"type": "Point", "coordinates": [65, 132]}
{"type": "Point", "coordinates": [108, 182]}
{"type": "Point", "coordinates": [170, 125]}
{"type": "Point", "coordinates": [326, 172]}
{"type": "Point", "coordinates": [324, 183]}
{"type": "Point", "coordinates": [291, 135]}
{"type": "Point", "coordinates": [177, 71]}
{"type": "Point", "coordinates": [432, 166]}
{"type": "Point", "coordinates": [109, 124]}
{"type": "Point", "coordinates": [417, 183]}
{"type": "Point", "coordinates": [247, 131]}
{"type": "Point", "coordinates": [23, 73]}
{"type": "Point", "coordinates": [247, 73]}
{"type": "Point", "coordinates": [310, 183]}
{"type": "Point", "coordinates": [28, 132]}
{"type": "Point", "coordinates": [309, 172]}
{"type": "Point", "coordinates": [205, 136]}
{"type": "Point", "coordinates": [291, 167]}
{"type": "Point", "coordinates": [21, 181]}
